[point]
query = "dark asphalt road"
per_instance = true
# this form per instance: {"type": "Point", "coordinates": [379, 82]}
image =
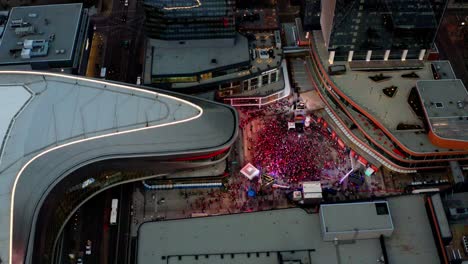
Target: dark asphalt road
{"type": "Point", "coordinates": [123, 29]}
{"type": "Point", "coordinates": [86, 224]}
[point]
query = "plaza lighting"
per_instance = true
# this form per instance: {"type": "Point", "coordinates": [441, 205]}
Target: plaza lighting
{"type": "Point", "coordinates": [346, 176]}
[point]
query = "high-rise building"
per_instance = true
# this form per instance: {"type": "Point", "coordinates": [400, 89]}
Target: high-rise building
{"type": "Point", "coordinates": [310, 14]}
{"type": "Point", "coordinates": [189, 19]}
{"type": "Point", "coordinates": [380, 29]}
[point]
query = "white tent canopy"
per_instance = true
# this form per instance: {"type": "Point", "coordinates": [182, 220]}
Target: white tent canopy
{"type": "Point", "coordinates": [250, 171]}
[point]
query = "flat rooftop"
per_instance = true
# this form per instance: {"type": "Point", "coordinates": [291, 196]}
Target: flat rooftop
{"type": "Point", "coordinates": [361, 216]}
{"type": "Point", "coordinates": [445, 102]}
{"type": "Point", "coordinates": [265, 41]}
{"type": "Point", "coordinates": [180, 59]}
{"type": "Point", "coordinates": [189, 57]}
{"type": "Point", "coordinates": [445, 70]}
{"type": "Point", "coordinates": [412, 240]}
{"type": "Point", "coordinates": [62, 21]}
{"type": "Point", "coordinates": [388, 111]}
{"type": "Point", "coordinates": [279, 232]}
{"type": "Point", "coordinates": [262, 258]}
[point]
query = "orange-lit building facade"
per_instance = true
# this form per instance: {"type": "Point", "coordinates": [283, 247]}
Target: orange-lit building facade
{"type": "Point", "coordinates": [350, 116]}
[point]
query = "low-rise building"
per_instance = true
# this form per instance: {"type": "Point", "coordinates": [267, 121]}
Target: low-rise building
{"type": "Point", "coordinates": [246, 70]}
{"type": "Point", "coordinates": [48, 37]}
{"type": "Point", "coordinates": [288, 236]}
{"type": "Point", "coordinates": [351, 221]}
{"type": "Point", "coordinates": [445, 114]}
{"type": "Point", "coordinates": [382, 114]}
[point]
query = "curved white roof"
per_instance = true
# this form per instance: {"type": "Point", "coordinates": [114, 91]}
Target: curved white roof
{"type": "Point", "coordinates": [52, 118]}
{"type": "Point", "coordinates": [12, 99]}
{"type": "Point", "coordinates": [64, 110]}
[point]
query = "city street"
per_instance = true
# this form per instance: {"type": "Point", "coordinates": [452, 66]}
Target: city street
{"type": "Point", "coordinates": [86, 224]}
{"type": "Point", "coordinates": [119, 42]}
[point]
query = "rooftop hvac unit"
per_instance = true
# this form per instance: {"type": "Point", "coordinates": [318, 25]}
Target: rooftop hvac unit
{"type": "Point", "coordinates": [16, 23]}
{"type": "Point", "coordinates": [28, 43]}
{"type": "Point", "coordinates": [25, 53]}
{"type": "Point", "coordinates": [23, 31]}
{"type": "Point", "coordinates": [460, 104]}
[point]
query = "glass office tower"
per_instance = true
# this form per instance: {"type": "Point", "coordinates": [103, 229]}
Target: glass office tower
{"type": "Point", "coordinates": [189, 19]}
{"type": "Point", "coordinates": [380, 26]}
{"type": "Point", "coordinates": [310, 14]}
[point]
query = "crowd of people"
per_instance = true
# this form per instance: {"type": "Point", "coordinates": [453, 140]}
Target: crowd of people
{"type": "Point", "coordinates": [288, 156]}
{"type": "Point", "coordinates": [250, 114]}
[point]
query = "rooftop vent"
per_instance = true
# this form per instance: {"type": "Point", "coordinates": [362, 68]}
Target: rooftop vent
{"type": "Point", "coordinates": [439, 105]}
{"type": "Point", "coordinates": [24, 31]}
{"type": "Point", "coordinates": [214, 61]}
{"type": "Point", "coordinates": [16, 23]}
{"type": "Point", "coordinates": [460, 104]}
{"type": "Point", "coordinates": [34, 48]}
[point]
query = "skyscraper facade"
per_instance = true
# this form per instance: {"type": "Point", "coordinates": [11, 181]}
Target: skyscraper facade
{"type": "Point", "coordinates": [390, 29]}
{"type": "Point", "coordinates": [189, 19]}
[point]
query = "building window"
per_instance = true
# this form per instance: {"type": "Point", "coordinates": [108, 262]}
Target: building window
{"type": "Point", "coordinates": [274, 76]}
{"type": "Point", "coordinates": [225, 86]}
{"type": "Point", "coordinates": [265, 79]}
{"type": "Point", "coordinates": [245, 85]}
{"type": "Point", "coordinates": [253, 83]}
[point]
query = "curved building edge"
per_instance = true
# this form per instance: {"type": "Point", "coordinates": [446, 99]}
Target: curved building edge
{"type": "Point", "coordinates": [325, 85]}
{"type": "Point", "coordinates": [361, 110]}
{"type": "Point", "coordinates": [445, 142]}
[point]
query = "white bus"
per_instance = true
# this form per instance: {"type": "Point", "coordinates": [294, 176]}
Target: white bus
{"type": "Point", "coordinates": [427, 190]}
{"type": "Point", "coordinates": [113, 214]}
{"type": "Point", "coordinates": [103, 72]}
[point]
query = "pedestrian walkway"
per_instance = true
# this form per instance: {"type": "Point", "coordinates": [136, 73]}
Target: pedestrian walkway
{"type": "Point", "coordinates": [299, 74]}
